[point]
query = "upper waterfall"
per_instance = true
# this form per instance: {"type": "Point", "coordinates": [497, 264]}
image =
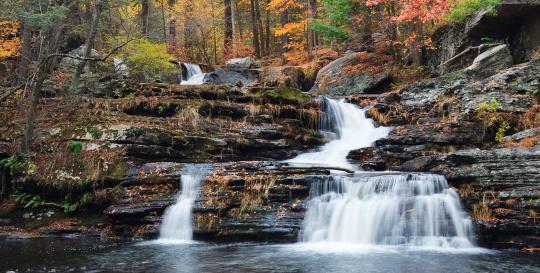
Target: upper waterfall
{"type": "Point", "coordinates": [349, 129]}
{"type": "Point", "coordinates": [194, 75]}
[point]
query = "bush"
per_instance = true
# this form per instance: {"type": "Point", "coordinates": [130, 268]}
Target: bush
{"type": "Point", "coordinates": [145, 58]}
{"type": "Point", "coordinates": [75, 146]}
{"type": "Point", "coordinates": [465, 8]}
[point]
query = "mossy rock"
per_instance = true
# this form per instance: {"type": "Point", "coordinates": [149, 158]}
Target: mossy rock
{"type": "Point", "coordinates": [287, 95]}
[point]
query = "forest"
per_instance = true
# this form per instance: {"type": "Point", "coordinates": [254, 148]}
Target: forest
{"type": "Point", "coordinates": [269, 135]}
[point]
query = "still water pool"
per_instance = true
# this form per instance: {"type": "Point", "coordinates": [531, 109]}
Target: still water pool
{"type": "Point", "coordinates": [84, 255]}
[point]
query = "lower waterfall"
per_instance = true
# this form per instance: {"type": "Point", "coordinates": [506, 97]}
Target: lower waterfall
{"type": "Point", "coordinates": [413, 210]}
{"type": "Point", "coordinates": [177, 224]}
{"type": "Point", "coordinates": [387, 209]}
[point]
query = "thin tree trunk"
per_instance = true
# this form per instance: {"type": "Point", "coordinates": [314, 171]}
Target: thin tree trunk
{"type": "Point", "coordinates": [255, 29]}
{"type": "Point", "coordinates": [240, 25]}
{"type": "Point", "coordinates": [173, 40]}
{"type": "Point", "coordinates": [312, 13]}
{"type": "Point", "coordinates": [91, 37]}
{"type": "Point", "coordinates": [234, 22]}
{"type": "Point", "coordinates": [26, 52]}
{"type": "Point", "coordinates": [260, 26]}
{"type": "Point", "coordinates": [188, 24]}
{"type": "Point", "coordinates": [145, 11]}
{"type": "Point", "coordinates": [268, 34]}
{"type": "Point", "coordinates": [284, 20]}
{"type": "Point", "coordinates": [31, 115]}
{"type": "Point", "coordinates": [228, 25]}
{"type": "Point", "coordinates": [164, 21]}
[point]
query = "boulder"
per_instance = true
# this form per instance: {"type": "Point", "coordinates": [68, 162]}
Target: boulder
{"type": "Point", "coordinates": [72, 64]}
{"type": "Point", "coordinates": [354, 74]}
{"type": "Point", "coordinates": [493, 59]}
{"type": "Point", "coordinates": [231, 77]}
{"type": "Point", "coordinates": [515, 21]}
{"type": "Point", "coordinates": [242, 63]}
{"type": "Point", "coordinates": [287, 76]}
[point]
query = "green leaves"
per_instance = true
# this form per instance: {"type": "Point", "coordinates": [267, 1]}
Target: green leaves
{"type": "Point", "coordinates": [465, 8]}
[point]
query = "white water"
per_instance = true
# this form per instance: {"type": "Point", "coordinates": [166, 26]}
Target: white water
{"type": "Point", "coordinates": [177, 224]}
{"type": "Point", "coordinates": [377, 209]}
{"type": "Point", "coordinates": [195, 76]}
{"type": "Point", "coordinates": [349, 128]}
{"type": "Point", "coordinates": [415, 210]}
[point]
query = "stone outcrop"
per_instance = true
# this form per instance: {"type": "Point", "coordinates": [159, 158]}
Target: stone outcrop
{"type": "Point", "coordinates": [515, 22]}
{"type": "Point", "coordinates": [354, 74]}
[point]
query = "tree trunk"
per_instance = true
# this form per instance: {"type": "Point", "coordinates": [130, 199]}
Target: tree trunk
{"type": "Point", "coordinates": [255, 29]}
{"type": "Point", "coordinates": [145, 11]}
{"type": "Point", "coordinates": [268, 34]}
{"type": "Point", "coordinates": [163, 20]}
{"type": "Point", "coordinates": [31, 115]}
{"type": "Point", "coordinates": [312, 13]}
{"type": "Point", "coordinates": [26, 53]}
{"type": "Point", "coordinates": [5, 179]}
{"type": "Point", "coordinates": [234, 22]}
{"type": "Point", "coordinates": [228, 26]}
{"type": "Point", "coordinates": [173, 40]}
{"type": "Point", "coordinates": [260, 27]}
{"type": "Point", "coordinates": [284, 20]}
{"type": "Point", "coordinates": [91, 37]}
{"type": "Point", "coordinates": [188, 26]}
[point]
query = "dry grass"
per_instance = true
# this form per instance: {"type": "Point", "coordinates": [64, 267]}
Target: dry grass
{"type": "Point", "coordinates": [190, 115]}
{"type": "Point", "coordinates": [481, 210]}
{"type": "Point", "coordinates": [466, 191]}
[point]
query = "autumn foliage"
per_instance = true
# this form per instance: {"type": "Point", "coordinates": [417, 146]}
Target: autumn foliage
{"type": "Point", "coordinates": [10, 43]}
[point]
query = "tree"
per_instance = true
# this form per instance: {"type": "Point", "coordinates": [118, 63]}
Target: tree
{"type": "Point", "coordinates": [255, 29]}
{"type": "Point", "coordinates": [98, 6]}
{"type": "Point", "coordinates": [228, 24]}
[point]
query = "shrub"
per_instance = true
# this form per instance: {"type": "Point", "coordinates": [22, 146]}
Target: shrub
{"type": "Point", "coordinates": [465, 8]}
{"type": "Point", "coordinates": [144, 57]}
{"type": "Point", "coordinates": [75, 146]}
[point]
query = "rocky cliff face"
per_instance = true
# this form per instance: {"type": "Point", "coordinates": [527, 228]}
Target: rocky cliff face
{"type": "Point", "coordinates": [456, 125]}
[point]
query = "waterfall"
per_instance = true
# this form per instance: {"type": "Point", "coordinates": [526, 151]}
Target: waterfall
{"type": "Point", "coordinates": [387, 209]}
{"type": "Point", "coordinates": [177, 220]}
{"type": "Point", "coordinates": [194, 74]}
{"type": "Point", "coordinates": [414, 210]}
{"type": "Point", "coordinates": [348, 128]}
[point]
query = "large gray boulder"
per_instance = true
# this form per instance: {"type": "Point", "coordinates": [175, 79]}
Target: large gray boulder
{"type": "Point", "coordinates": [490, 61]}
{"type": "Point", "coordinates": [242, 63]}
{"type": "Point", "coordinates": [354, 74]}
{"type": "Point", "coordinates": [72, 64]}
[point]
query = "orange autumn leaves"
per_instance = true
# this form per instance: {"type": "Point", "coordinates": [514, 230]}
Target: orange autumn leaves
{"type": "Point", "coordinates": [421, 10]}
{"type": "Point", "coordinates": [10, 43]}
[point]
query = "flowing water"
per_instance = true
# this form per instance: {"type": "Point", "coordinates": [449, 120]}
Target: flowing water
{"type": "Point", "coordinates": [348, 128]}
{"type": "Point", "coordinates": [377, 209]}
{"type": "Point", "coordinates": [366, 222]}
{"type": "Point", "coordinates": [195, 76]}
{"type": "Point", "coordinates": [414, 210]}
{"type": "Point", "coordinates": [177, 226]}
{"type": "Point", "coordinates": [78, 255]}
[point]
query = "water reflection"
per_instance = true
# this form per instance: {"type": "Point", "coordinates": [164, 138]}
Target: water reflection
{"type": "Point", "coordinates": [61, 255]}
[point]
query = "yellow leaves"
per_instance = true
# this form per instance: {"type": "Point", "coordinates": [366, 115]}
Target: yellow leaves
{"type": "Point", "coordinates": [10, 43]}
{"type": "Point", "coordinates": [283, 5]}
{"type": "Point", "coordinates": [291, 28]}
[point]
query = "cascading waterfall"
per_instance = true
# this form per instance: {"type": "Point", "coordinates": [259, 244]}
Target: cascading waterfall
{"type": "Point", "coordinates": [377, 208]}
{"type": "Point", "coordinates": [349, 128]}
{"type": "Point", "coordinates": [387, 209]}
{"type": "Point", "coordinates": [195, 76]}
{"type": "Point", "coordinates": [177, 220]}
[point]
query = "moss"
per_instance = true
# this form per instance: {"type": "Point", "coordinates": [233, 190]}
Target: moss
{"type": "Point", "coordinates": [287, 95]}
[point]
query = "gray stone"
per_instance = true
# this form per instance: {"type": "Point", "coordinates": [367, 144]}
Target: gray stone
{"type": "Point", "coordinates": [242, 63]}
{"type": "Point", "coordinates": [490, 61]}
{"type": "Point", "coordinates": [351, 75]}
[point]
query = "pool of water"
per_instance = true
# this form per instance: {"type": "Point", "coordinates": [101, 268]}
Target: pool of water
{"type": "Point", "coordinates": [84, 255]}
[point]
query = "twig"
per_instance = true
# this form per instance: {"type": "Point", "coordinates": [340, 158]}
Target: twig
{"type": "Point", "coordinates": [91, 59]}
{"type": "Point", "coordinates": [10, 91]}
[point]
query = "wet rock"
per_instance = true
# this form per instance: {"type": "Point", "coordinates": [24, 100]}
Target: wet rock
{"type": "Point", "coordinates": [238, 78]}
{"type": "Point", "coordinates": [493, 59]}
{"type": "Point", "coordinates": [353, 74]}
